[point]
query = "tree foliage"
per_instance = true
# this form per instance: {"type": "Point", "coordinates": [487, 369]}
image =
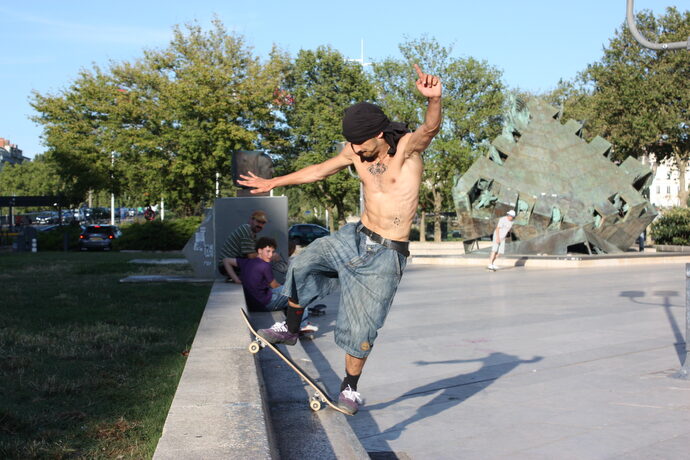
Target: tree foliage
{"type": "Point", "coordinates": [321, 84]}
{"type": "Point", "coordinates": [641, 97]}
{"type": "Point", "coordinates": [575, 102]}
{"type": "Point", "coordinates": [73, 131]}
{"type": "Point", "coordinates": [34, 178]}
{"type": "Point", "coordinates": [164, 125]}
{"type": "Point", "coordinates": [673, 227]}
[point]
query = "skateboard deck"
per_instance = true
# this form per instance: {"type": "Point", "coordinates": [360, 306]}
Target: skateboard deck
{"type": "Point", "coordinates": [319, 397]}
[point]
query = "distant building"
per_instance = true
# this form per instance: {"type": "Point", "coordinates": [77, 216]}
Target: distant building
{"type": "Point", "coordinates": [10, 153]}
{"type": "Point", "coordinates": [664, 189]}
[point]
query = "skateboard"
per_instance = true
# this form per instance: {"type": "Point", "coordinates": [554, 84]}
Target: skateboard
{"type": "Point", "coordinates": [319, 397]}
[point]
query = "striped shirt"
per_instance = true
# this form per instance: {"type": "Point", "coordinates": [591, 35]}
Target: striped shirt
{"type": "Point", "coordinates": [239, 243]}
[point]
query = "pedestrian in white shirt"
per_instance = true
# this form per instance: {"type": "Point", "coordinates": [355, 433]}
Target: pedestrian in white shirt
{"type": "Point", "coordinates": [498, 244]}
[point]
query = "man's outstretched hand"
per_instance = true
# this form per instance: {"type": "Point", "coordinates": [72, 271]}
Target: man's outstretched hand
{"type": "Point", "coordinates": [427, 85]}
{"type": "Point", "coordinates": [258, 184]}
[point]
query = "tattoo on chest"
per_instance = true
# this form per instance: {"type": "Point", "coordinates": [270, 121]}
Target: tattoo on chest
{"type": "Point", "coordinates": [396, 221]}
{"type": "Point", "coordinates": [377, 169]}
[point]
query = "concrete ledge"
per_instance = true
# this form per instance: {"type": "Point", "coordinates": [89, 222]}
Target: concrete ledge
{"type": "Point", "coordinates": [164, 279]}
{"type": "Point", "coordinates": [448, 245]}
{"type": "Point", "coordinates": [479, 259]}
{"type": "Point", "coordinates": [218, 410]}
{"type": "Point", "coordinates": [159, 261]}
{"type": "Point", "coordinates": [671, 248]}
{"type": "Point", "coordinates": [221, 408]}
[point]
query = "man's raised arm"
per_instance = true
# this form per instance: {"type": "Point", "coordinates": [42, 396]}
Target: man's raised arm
{"type": "Point", "coordinates": [306, 175]}
{"type": "Point", "coordinates": [430, 87]}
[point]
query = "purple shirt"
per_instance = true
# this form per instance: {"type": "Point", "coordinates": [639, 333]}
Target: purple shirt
{"type": "Point", "coordinates": [256, 282]}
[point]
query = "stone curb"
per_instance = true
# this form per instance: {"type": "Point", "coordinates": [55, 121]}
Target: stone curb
{"type": "Point", "coordinates": [218, 411]}
{"type": "Point", "coordinates": [575, 261]}
{"type": "Point", "coordinates": [672, 248]}
{"type": "Point", "coordinates": [164, 279]}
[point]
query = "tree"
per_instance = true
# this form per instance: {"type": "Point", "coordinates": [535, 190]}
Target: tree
{"type": "Point", "coordinates": [321, 84]}
{"type": "Point", "coordinates": [73, 124]}
{"type": "Point", "coordinates": [472, 100]}
{"type": "Point", "coordinates": [164, 125]}
{"type": "Point", "coordinates": [575, 101]}
{"type": "Point", "coordinates": [37, 178]}
{"type": "Point", "coordinates": [642, 97]}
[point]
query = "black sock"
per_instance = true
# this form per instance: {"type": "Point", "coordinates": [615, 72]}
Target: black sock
{"type": "Point", "coordinates": [350, 380]}
{"type": "Point", "coordinates": [294, 318]}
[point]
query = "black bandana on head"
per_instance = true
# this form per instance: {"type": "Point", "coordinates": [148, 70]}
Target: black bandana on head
{"type": "Point", "coordinates": [364, 121]}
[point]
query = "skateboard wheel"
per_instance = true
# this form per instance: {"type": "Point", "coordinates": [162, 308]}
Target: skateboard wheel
{"type": "Point", "coordinates": [254, 347]}
{"type": "Point", "coordinates": [315, 405]}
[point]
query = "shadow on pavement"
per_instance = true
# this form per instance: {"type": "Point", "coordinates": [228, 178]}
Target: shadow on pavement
{"type": "Point", "coordinates": [453, 390]}
{"type": "Point", "coordinates": [679, 345]}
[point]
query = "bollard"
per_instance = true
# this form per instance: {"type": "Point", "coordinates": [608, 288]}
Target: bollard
{"type": "Point", "coordinates": [33, 245]}
{"type": "Point", "coordinates": [685, 370]}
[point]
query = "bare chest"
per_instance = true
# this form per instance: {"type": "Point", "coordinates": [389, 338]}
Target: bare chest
{"type": "Point", "coordinates": [390, 178]}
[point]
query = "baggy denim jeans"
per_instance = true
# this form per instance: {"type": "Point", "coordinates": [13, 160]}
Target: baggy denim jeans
{"type": "Point", "coordinates": [368, 274]}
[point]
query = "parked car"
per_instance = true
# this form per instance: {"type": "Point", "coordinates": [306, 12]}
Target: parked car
{"type": "Point", "coordinates": [47, 217]}
{"type": "Point", "coordinates": [303, 234]}
{"type": "Point", "coordinates": [67, 216]}
{"type": "Point", "coordinates": [100, 214]}
{"type": "Point", "coordinates": [98, 237]}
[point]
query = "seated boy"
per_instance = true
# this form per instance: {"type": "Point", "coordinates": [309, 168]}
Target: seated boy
{"type": "Point", "coordinates": [261, 291]}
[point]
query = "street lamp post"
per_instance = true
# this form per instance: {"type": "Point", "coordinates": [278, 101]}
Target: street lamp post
{"type": "Point", "coordinates": [630, 19]}
{"type": "Point", "coordinates": [112, 188]}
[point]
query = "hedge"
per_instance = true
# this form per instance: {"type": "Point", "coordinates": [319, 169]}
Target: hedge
{"type": "Point", "coordinates": [157, 235]}
{"type": "Point", "coordinates": [673, 227]}
{"type": "Point", "coordinates": [54, 240]}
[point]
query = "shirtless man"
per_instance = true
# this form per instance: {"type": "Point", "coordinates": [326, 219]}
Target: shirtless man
{"type": "Point", "coordinates": [367, 259]}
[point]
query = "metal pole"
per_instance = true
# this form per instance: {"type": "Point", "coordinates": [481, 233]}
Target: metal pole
{"type": "Point", "coordinates": [630, 18]}
{"type": "Point", "coordinates": [684, 371]}
{"type": "Point", "coordinates": [112, 193]}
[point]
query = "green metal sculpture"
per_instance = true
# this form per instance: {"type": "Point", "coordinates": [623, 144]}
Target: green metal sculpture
{"type": "Point", "coordinates": [568, 195]}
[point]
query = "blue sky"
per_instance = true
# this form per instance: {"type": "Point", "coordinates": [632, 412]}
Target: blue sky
{"type": "Point", "coordinates": [44, 43]}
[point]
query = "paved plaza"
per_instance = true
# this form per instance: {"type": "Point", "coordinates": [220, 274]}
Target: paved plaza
{"type": "Point", "coordinates": [524, 363]}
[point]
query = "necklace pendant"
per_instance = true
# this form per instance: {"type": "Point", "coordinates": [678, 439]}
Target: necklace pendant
{"type": "Point", "coordinates": [377, 169]}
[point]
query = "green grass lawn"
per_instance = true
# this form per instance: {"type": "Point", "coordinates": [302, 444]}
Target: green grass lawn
{"type": "Point", "coordinates": [88, 365]}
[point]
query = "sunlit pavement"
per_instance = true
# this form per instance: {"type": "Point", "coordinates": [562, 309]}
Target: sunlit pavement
{"type": "Point", "coordinates": [524, 363]}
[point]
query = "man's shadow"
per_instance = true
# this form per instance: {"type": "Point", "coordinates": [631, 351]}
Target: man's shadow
{"type": "Point", "coordinates": [453, 390]}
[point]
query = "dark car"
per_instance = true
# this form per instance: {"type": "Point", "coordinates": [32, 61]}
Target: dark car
{"type": "Point", "coordinates": [98, 237]}
{"type": "Point", "coordinates": [303, 234]}
{"type": "Point", "coordinates": [50, 217]}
